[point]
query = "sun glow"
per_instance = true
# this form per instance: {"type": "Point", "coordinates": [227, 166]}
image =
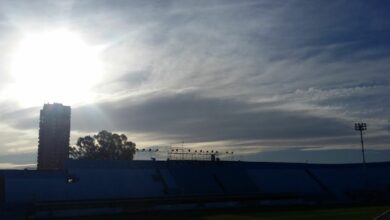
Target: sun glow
{"type": "Point", "coordinates": [55, 66]}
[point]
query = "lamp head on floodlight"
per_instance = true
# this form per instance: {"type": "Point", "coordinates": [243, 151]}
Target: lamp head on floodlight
{"type": "Point", "coordinates": [360, 126]}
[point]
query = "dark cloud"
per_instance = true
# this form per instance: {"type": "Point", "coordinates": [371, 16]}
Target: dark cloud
{"type": "Point", "coordinates": [26, 118]}
{"type": "Point", "coordinates": [194, 118]}
{"type": "Point", "coordinates": [131, 80]}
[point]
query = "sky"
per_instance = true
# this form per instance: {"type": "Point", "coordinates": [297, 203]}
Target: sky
{"type": "Point", "coordinates": [269, 80]}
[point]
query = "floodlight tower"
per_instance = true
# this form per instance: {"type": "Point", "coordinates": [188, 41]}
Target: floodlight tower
{"type": "Point", "coordinates": [361, 127]}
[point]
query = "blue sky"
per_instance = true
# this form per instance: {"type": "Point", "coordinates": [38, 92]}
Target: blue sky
{"type": "Point", "coordinates": [269, 80]}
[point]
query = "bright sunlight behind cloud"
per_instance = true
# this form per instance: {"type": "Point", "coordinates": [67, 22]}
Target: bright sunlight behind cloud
{"type": "Point", "coordinates": [54, 66]}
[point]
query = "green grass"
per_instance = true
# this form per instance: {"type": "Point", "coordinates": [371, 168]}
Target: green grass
{"type": "Point", "coordinates": [357, 213]}
{"type": "Point", "coordinates": [349, 213]}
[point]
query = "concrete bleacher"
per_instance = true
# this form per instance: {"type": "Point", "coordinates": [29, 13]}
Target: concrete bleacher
{"type": "Point", "coordinates": [284, 181]}
{"type": "Point", "coordinates": [195, 181]}
{"type": "Point", "coordinates": [351, 182]}
{"type": "Point", "coordinates": [193, 178]}
{"type": "Point", "coordinates": [235, 181]}
{"type": "Point", "coordinates": [340, 181]}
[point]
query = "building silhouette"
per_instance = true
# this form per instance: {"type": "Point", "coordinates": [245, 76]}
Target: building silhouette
{"type": "Point", "coordinates": [54, 129]}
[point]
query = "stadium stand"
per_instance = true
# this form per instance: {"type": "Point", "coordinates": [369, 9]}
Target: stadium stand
{"type": "Point", "coordinates": [123, 185]}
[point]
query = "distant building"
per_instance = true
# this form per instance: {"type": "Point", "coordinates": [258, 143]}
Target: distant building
{"type": "Point", "coordinates": [54, 129]}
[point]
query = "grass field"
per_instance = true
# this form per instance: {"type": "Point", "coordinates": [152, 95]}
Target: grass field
{"type": "Point", "coordinates": [317, 214]}
{"type": "Point", "coordinates": [349, 213]}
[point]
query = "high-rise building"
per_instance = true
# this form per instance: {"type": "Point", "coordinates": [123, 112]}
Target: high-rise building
{"type": "Point", "coordinates": [54, 130]}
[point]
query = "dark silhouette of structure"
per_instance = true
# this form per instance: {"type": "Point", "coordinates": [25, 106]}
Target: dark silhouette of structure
{"type": "Point", "coordinates": [361, 127]}
{"type": "Point", "coordinates": [54, 129]}
{"type": "Point", "coordinates": [97, 187]}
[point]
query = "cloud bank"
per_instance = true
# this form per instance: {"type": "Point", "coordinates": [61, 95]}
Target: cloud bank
{"type": "Point", "coordinates": [253, 76]}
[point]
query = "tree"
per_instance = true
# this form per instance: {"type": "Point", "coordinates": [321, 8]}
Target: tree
{"type": "Point", "coordinates": [103, 146]}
